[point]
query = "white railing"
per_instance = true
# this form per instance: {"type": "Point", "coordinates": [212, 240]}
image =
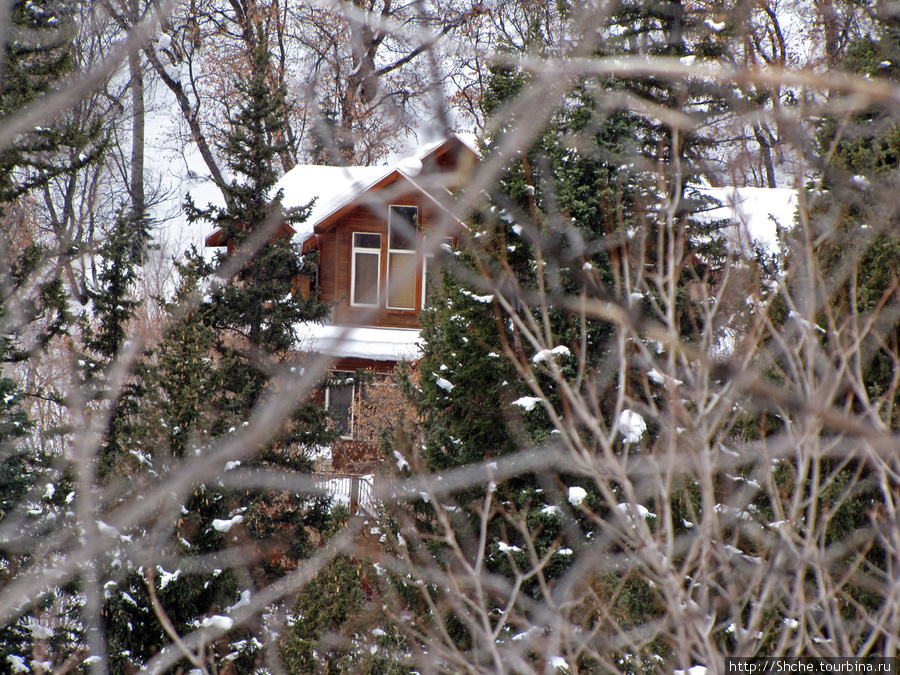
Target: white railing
{"type": "Point", "coordinates": [351, 490]}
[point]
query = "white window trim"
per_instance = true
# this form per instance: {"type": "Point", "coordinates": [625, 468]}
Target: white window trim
{"type": "Point", "coordinates": [401, 251]}
{"type": "Point", "coordinates": [354, 249]}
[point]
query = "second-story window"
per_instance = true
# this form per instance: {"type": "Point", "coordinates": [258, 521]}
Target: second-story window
{"type": "Point", "coordinates": [403, 224]}
{"type": "Point", "coordinates": [366, 269]}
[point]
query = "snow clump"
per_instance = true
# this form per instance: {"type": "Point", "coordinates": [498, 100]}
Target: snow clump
{"type": "Point", "coordinates": [527, 403]}
{"type": "Point", "coordinates": [640, 509]}
{"type": "Point", "coordinates": [446, 385]}
{"type": "Point", "coordinates": [631, 425]}
{"type": "Point", "coordinates": [18, 663]}
{"type": "Point", "coordinates": [558, 662]}
{"type": "Point", "coordinates": [577, 495]}
{"type": "Point", "coordinates": [548, 354]}
{"type": "Point", "coordinates": [107, 530]}
{"type": "Point", "coordinates": [224, 525]}
{"type": "Point", "coordinates": [693, 670]}
{"type": "Point", "coordinates": [218, 621]}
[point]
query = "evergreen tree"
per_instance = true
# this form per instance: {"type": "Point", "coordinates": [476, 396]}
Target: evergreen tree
{"type": "Point", "coordinates": [18, 474]}
{"type": "Point", "coordinates": [216, 364]}
{"type": "Point", "coordinates": [114, 303]}
{"type": "Point", "coordinates": [339, 623]}
{"type": "Point", "coordinates": [36, 57]}
{"type": "Point", "coordinates": [33, 64]}
{"type": "Point", "coordinates": [257, 308]}
{"type": "Point", "coordinates": [560, 221]}
{"type": "Point", "coordinates": [858, 256]}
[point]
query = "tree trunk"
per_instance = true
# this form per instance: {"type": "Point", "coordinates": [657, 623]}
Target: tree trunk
{"type": "Point", "coordinates": [138, 123]}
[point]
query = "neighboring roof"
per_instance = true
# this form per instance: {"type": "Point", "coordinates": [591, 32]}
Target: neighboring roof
{"type": "Point", "coordinates": [758, 212]}
{"type": "Point", "coordinates": [335, 187]}
{"type": "Point", "coordinates": [375, 344]}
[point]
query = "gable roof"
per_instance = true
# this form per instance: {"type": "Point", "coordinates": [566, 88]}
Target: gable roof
{"type": "Point", "coordinates": [335, 188]}
{"type": "Point", "coordinates": [332, 187]}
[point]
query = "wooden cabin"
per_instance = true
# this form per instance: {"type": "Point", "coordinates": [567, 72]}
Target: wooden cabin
{"type": "Point", "coordinates": [378, 233]}
{"type": "Point", "coordinates": [377, 230]}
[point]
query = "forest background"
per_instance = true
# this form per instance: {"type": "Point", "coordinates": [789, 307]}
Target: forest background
{"type": "Point", "coordinates": [638, 440]}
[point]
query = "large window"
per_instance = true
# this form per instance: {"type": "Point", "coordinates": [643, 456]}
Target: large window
{"type": "Point", "coordinates": [403, 224]}
{"type": "Point", "coordinates": [366, 269]}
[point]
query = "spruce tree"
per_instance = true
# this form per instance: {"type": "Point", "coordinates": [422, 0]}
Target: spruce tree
{"type": "Point", "coordinates": [113, 303]}
{"type": "Point", "coordinates": [570, 200]}
{"type": "Point", "coordinates": [216, 364]}
{"type": "Point", "coordinates": [257, 307]}
{"type": "Point", "coordinates": [34, 62]}
{"type": "Point", "coordinates": [254, 315]}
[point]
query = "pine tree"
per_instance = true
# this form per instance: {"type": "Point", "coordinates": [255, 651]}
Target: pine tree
{"type": "Point", "coordinates": [33, 64]}
{"type": "Point", "coordinates": [207, 376]}
{"type": "Point", "coordinates": [114, 304]}
{"type": "Point", "coordinates": [560, 220]}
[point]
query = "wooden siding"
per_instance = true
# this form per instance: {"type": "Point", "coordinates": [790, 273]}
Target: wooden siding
{"type": "Point", "coordinates": [328, 256]}
{"type": "Point", "coordinates": [336, 246]}
{"type": "Point", "coordinates": [336, 288]}
{"type": "Point", "coordinates": [351, 364]}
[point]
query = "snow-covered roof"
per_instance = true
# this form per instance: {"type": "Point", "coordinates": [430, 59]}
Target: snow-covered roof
{"type": "Point", "coordinates": [331, 186]}
{"type": "Point", "coordinates": [334, 187]}
{"type": "Point", "coordinates": [363, 342]}
{"type": "Point", "coordinates": [758, 212]}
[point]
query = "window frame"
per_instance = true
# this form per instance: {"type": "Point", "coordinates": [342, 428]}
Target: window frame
{"type": "Point", "coordinates": [391, 252]}
{"type": "Point", "coordinates": [365, 250]}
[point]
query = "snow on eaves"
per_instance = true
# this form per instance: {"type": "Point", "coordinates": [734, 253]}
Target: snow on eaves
{"type": "Point", "coordinates": [376, 344]}
{"type": "Point", "coordinates": [330, 186]}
